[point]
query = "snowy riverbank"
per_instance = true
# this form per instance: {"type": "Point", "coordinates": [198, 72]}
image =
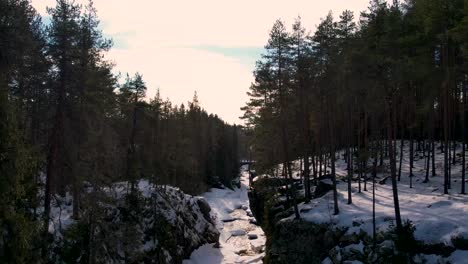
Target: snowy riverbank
{"type": "Point", "coordinates": [440, 221]}
{"type": "Point", "coordinates": [241, 241]}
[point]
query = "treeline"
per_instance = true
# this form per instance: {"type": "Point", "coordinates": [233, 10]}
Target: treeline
{"type": "Point", "coordinates": [66, 123]}
{"type": "Point", "coordinates": [399, 73]}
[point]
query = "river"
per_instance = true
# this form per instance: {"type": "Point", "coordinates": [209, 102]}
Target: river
{"type": "Point", "coordinates": [241, 240]}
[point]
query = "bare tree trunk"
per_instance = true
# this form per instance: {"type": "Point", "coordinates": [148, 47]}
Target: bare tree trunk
{"type": "Point", "coordinates": [331, 123]}
{"type": "Point", "coordinates": [349, 157]}
{"type": "Point", "coordinates": [131, 149]}
{"type": "Point", "coordinates": [320, 163]}
{"type": "Point", "coordinates": [374, 175]}
{"type": "Point", "coordinates": [449, 164]}
{"type": "Point", "coordinates": [314, 169]}
{"type": "Point", "coordinates": [350, 175]}
{"type": "Point", "coordinates": [433, 157]}
{"type": "Point", "coordinates": [359, 176]}
{"type": "Point", "coordinates": [454, 143]}
{"type": "Point", "coordinates": [53, 154]}
{"type": "Point", "coordinates": [445, 87]}
{"type": "Point", "coordinates": [366, 149]}
{"type": "Point", "coordinates": [428, 161]}
{"type": "Point", "coordinates": [307, 177]}
{"type": "Point", "coordinates": [411, 156]}
{"type": "Point", "coordinates": [381, 153]}
{"type": "Point", "coordinates": [390, 117]}
{"type": "Point", "coordinates": [359, 163]}
{"type": "Point", "coordinates": [450, 168]}
{"type": "Point", "coordinates": [325, 158]}
{"type": "Point", "coordinates": [402, 144]}
{"type": "Point", "coordinates": [463, 139]}
{"type": "Point", "coordinates": [285, 175]}
{"type": "Point", "coordinates": [293, 191]}
{"type": "Point", "coordinates": [335, 192]}
{"type": "Point", "coordinates": [365, 175]}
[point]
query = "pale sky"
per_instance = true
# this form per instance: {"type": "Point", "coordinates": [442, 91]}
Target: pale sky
{"type": "Point", "coordinates": [208, 46]}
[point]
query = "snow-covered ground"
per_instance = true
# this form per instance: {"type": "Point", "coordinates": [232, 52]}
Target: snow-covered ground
{"type": "Point", "coordinates": [241, 241]}
{"type": "Point", "coordinates": [438, 218]}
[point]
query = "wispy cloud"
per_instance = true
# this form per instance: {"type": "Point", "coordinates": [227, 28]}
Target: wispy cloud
{"type": "Point", "coordinates": [245, 55]}
{"type": "Point", "coordinates": [121, 40]}
{"type": "Point", "coordinates": [205, 45]}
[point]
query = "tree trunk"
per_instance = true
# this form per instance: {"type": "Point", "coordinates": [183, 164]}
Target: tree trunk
{"type": "Point", "coordinates": [314, 169]}
{"type": "Point", "coordinates": [449, 164]}
{"type": "Point", "coordinates": [390, 117]}
{"type": "Point", "coordinates": [428, 161]}
{"type": "Point", "coordinates": [364, 164]}
{"type": "Point", "coordinates": [335, 192]}
{"type": "Point", "coordinates": [308, 195]}
{"type": "Point", "coordinates": [285, 175]}
{"type": "Point", "coordinates": [374, 175]}
{"type": "Point", "coordinates": [411, 157]}
{"type": "Point", "coordinates": [381, 153]}
{"type": "Point", "coordinates": [402, 144]}
{"type": "Point", "coordinates": [320, 163]}
{"type": "Point", "coordinates": [131, 150]}
{"type": "Point", "coordinates": [463, 139]}
{"type": "Point", "coordinates": [433, 156]}
{"type": "Point", "coordinates": [293, 191]}
{"type": "Point", "coordinates": [331, 123]}
{"type": "Point", "coordinates": [359, 175]}
{"type": "Point", "coordinates": [445, 87]}
{"type": "Point", "coordinates": [53, 153]}
{"type": "Point", "coordinates": [350, 176]}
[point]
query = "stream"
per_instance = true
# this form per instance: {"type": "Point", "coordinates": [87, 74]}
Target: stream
{"type": "Point", "coordinates": [241, 240]}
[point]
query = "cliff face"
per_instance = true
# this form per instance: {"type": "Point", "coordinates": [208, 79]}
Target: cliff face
{"type": "Point", "coordinates": [289, 241]}
{"type": "Point", "coordinates": [157, 225]}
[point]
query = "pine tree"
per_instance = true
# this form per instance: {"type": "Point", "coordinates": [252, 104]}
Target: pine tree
{"type": "Point", "coordinates": [62, 35]}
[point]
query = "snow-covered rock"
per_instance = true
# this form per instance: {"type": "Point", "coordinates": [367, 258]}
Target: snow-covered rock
{"type": "Point", "coordinates": [252, 236]}
{"type": "Point", "coordinates": [238, 232]}
{"type": "Point", "coordinates": [157, 222]}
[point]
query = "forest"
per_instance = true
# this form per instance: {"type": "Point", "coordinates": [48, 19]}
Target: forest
{"type": "Point", "coordinates": [371, 106]}
{"type": "Point", "coordinates": [396, 73]}
{"type": "Point", "coordinates": [68, 124]}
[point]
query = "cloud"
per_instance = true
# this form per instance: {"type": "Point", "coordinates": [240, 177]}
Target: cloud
{"type": "Point", "coordinates": [245, 55]}
{"type": "Point", "coordinates": [121, 40]}
{"type": "Point", "coordinates": [206, 45]}
{"type": "Point", "coordinates": [178, 72]}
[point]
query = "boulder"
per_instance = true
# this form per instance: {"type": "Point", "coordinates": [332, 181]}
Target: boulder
{"type": "Point", "coordinates": [228, 219]}
{"type": "Point", "coordinates": [163, 215]}
{"type": "Point", "coordinates": [252, 236]}
{"type": "Point", "coordinates": [238, 232]}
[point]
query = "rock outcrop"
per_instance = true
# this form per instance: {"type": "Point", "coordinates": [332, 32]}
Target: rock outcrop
{"type": "Point", "coordinates": [157, 225]}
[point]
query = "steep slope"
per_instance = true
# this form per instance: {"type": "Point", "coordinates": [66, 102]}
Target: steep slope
{"type": "Point", "coordinates": [161, 225]}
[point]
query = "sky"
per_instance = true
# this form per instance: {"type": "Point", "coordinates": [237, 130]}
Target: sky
{"type": "Point", "coordinates": [207, 46]}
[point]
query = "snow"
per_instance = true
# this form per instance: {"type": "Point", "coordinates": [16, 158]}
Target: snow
{"type": "Point", "coordinates": [355, 247]}
{"type": "Point", "coordinates": [429, 259]}
{"type": "Point", "coordinates": [459, 256]}
{"type": "Point", "coordinates": [232, 206]}
{"type": "Point", "coordinates": [438, 218]}
{"type": "Point", "coordinates": [61, 212]}
{"type": "Point", "coordinates": [181, 210]}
